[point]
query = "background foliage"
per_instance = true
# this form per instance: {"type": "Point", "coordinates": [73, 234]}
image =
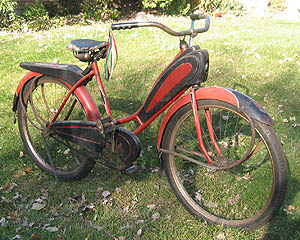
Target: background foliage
{"type": "Point", "coordinates": [38, 16]}
{"type": "Point", "coordinates": [7, 12]}
{"type": "Point", "coordinates": [42, 16]}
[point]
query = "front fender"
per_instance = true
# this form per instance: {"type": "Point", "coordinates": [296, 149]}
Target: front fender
{"type": "Point", "coordinates": [83, 95]}
{"type": "Point", "coordinates": [237, 99]}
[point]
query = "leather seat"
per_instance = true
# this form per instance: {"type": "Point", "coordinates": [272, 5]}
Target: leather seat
{"type": "Point", "coordinates": [85, 45]}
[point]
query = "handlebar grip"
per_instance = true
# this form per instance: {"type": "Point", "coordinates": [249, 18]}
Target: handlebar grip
{"type": "Point", "coordinates": [123, 26]}
{"type": "Point", "coordinates": [195, 16]}
{"type": "Point", "coordinates": [199, 17]}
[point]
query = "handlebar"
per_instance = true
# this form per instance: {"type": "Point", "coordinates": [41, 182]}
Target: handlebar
{"type": "Point", "coordinates": [191, 32]}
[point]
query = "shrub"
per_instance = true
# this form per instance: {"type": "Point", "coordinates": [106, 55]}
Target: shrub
{"type": "Point", "coordinates": [70, 7]}
{"type": "Point", "coordinates": [277, 5]}
{"type": "Point", "coordinates": [185, 7]}
{"type": "Point", "coordinates": [172, 7]}
{"type": "Point", "coordinates": [7, 12]}
{"type": "Point", "coordinates": [36, 16]}
{"type": "Point", "coordinates": [99, 10]}
{"type": "Point", "coordinates": [220, 5]}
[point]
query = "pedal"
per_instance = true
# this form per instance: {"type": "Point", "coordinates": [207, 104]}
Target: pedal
{"type": "Point", "coordinates": [131, 170]}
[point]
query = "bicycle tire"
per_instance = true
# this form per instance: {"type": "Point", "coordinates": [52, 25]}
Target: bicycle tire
{"type": "Point", "coordinates": [39, 100]}
{"type": "Point", "coordinates": [247, 195]}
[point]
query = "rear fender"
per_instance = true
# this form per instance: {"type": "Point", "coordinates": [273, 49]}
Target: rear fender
{"type": "Point", "coordinates": [237, 99]}
{"type": "Point", "coordinates": [83, 95]}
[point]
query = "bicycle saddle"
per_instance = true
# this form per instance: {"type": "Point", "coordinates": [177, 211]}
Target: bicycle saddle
{"type": "Point", "coordinates": [85, 45]}
{"type": "Point", "coordinates": [83, 48]}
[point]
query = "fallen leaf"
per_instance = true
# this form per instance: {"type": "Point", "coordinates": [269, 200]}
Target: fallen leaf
{"type": "Point", "coordinates": [83, 201]}
{"type": "Point", "coordinates": [52, 229]}
{"type": "Point", "coordinates": [54, 212]}
{"type": "Point", "coordinates": [105, 194]}
{"type": "Point", "coordinates": [95, 226]}
{"type": "Point", "coordinates": [45, 193]}
{"type": "Point", "coordinates": [66, 152]}
{"type": "Point", "coordinates": [212, 205]}
{"type": "Point", "coordinates": [198, 197]}
{"type": "Point", "coordinates": [225, 118]}
{"type": "Point", "coordinates": [155, 216]}
{"type": "Point", "coordinates": [2, 221]}
{"type": "Point", "coordinates": [30, 225]}
{"type": "Point", "coordinates": [289, 209]}
{"type": "Point", "coordinates": [126, 209]}
{"type": "Point", "coordinates": [14, 216]}
{"type": "Point", "coordinates": [139, 222]}
{"type": "Point", "coordinates": [28, 170]}
{"type": "Point", "coordinates": [19, 173]}
{"type": "Point", "coordinates": [233, 200]}
{"type": "Point", "coordinates": [246, 176]}
{"type": "Point", "coordinates": [125, 227]}
{"type": "Point", "coordinates": [21, 154]}
{"type": "Point", "coordinates": [139, 232]}
{"type": "Point", "coordinates": [35, 236]}
{"type": "Point", "coordinates": [5, 200]}
{"type": "Point", "coordinates": [38, 206]}
{"type": "Point", "coordinates": [8, 187]}
{"type": "Point", "coordinates": [151, 207]}
{"type": "Point", "coordinates": [155, 170]}
{"type": "Point", "coordinates": [25, 223]}
{"type": "Point", "coordinates": [221, 236]}
{"type": "Point", "coordinates": [121, 238]}
{"type": "Point", "coordinates": [118, 190]}
{"type": "Point", "coordinates": [58, 237]}
{"type": "Point", "coordinates": [38, 200]}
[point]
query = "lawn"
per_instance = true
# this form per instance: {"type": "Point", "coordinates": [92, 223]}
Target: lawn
{"type": "Point", "coordinates": [259, 57]}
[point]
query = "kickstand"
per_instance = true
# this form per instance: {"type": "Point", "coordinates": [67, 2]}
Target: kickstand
{"type": "Point", "coordinates": [50, 158]}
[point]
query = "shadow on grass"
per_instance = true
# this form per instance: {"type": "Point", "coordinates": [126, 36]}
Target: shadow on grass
{"type": "Point", "coordinates": [285, 226]}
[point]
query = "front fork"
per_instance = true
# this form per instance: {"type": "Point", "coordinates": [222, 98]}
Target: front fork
{"type": "Point", "coordinates": [198, 128]}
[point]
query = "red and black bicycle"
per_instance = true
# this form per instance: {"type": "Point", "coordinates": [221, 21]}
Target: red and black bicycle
{"type": "Point", "coordinates": [216, 145]}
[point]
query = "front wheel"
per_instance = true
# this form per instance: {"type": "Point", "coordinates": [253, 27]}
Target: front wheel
{"type": "Point", "coordinates": [246, 194]}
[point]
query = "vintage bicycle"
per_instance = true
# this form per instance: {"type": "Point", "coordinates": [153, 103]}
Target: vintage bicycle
{"type": "Point", "coordinates": [216, 145]}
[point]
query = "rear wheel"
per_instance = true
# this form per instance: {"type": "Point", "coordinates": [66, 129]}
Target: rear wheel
{"type": "Point", "coordinates": [39, 101]}
{"type": "Point", "coordinates": [232, 192]}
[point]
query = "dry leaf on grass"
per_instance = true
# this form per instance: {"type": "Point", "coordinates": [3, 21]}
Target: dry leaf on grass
{"type": "Point", "coordinates": [8, 187]}
{"type": "Point", "coordinates": [38, 206]}
{"type": "Point", "coordinates": [106, 194]}
{"type": "Point", "coordinates": [155, 216]}
{"type": "Point", "coordinates": [221, 236]}
{"type": "Point", "coordinates": [289, 209]}
{"type": "Point", "coordinates": [151, 207]}
{"type": "Point", "coordinates": [35, 237]}
{"type": "Point", "coordinates": [51, 229]}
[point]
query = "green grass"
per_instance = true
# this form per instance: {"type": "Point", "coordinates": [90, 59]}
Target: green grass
{"type": "Point", "coordinates": [259, 57]}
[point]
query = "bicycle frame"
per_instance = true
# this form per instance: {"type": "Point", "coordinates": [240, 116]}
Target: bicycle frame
{"type": "Point", "coordinates": [188, 69]}
{"type": "Point", "coordinates": [181, 72]}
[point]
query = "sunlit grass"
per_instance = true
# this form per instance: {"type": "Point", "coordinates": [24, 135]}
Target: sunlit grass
{"type": "Point", "coordinates": [259, 57]}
